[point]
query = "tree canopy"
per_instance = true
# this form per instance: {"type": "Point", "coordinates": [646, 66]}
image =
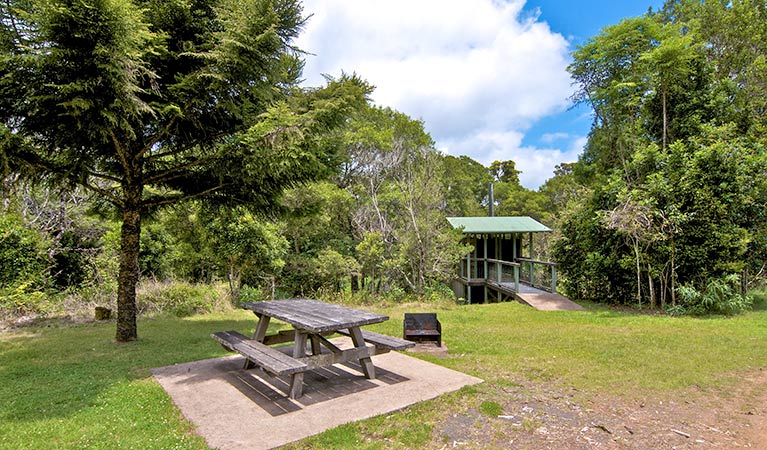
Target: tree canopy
{"type": "Point", "coordinates": [147, 104]}
{"type": "Point", "coordinates": [675, 160]}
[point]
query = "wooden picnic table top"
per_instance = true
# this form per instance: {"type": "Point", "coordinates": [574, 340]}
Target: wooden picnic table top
{"type": "Point", "coordinates": [313, 315]}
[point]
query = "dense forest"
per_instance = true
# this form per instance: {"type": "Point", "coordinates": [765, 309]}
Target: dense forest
{"type": "Point", "coordinates": [174, 143]}
{"type": "Point", "coordinates": [675, 165]}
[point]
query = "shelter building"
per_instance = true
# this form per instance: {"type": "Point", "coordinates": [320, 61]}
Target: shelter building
{"type": "Point", "coordinates": [501, 264]}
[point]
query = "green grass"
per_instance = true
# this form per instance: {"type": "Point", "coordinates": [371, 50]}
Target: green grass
{"type": "Point", "coordinates": [599, 348]}
{"type": "Point", "coordinates": [73, 387]}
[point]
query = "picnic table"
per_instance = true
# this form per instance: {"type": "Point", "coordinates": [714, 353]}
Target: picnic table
{"type": "Point", "coordinates": [313, 322]}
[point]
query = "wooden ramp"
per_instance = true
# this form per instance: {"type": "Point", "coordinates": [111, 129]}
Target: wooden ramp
{"type": "Point", "coordinates": [545, 301]}
{"type": "Point", "coordinates": [537, 298]}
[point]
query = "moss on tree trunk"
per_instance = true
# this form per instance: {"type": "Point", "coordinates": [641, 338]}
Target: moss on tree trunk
{"type": "Point", "coordinates": [129, 269]}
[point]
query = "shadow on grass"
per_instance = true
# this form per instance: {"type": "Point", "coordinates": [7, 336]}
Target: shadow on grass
{"type": "Point", "coordinates": [57, 372]}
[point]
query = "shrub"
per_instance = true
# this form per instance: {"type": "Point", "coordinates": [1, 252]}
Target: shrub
{"type": "Point", "coordinates": [720, 296]}
{"type": "Point", "coordinates": [178, 298]}
{"type": "Point", "coordinates": [23, 259]}
{"type": "Point", "coordinates": [251, 294]}
{"type": "Point", "coordinates": [22, 298]}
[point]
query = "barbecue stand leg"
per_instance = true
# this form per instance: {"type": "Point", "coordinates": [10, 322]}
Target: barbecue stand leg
{"type": "Point", "coordinates": [367, 364]}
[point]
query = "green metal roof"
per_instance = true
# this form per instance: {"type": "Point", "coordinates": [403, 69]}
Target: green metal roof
{"type": "Point", "coordinates": [498, 225]}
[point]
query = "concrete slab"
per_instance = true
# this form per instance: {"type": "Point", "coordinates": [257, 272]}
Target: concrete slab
{"type": "Point", "coordinates": [237, 409]}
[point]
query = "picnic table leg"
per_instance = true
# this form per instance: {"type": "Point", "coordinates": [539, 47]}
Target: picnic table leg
{"type": "Point", "coordinates": [316, 350]}
{"type": "Point", "coordinates": [297, 379]}
{"type": "Point", "coordinates": [261, 327]}
{"type": "Point", "coordinates": [367, 364]}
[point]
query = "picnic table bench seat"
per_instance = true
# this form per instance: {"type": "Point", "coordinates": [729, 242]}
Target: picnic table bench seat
{"type": "Point", "coordinates": [382, 340]}
{"type": "Point", "coordinates": [268, 358]}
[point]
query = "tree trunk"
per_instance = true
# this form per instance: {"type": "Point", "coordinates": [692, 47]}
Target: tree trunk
{"type": "Point", "coordinates": [235, 281]}
{"type": "Point", "coordinates": [673, 273]}
{"type": "Point", "coordinates": [639, 272]}
{"type": "Point", "coordinates": [129, 269]}
{"type": "Point", "coordinates": [665, 120]}
{"type": "Point", "coordinates": [651, 287]}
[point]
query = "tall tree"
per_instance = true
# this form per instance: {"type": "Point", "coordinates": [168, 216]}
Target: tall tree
{"type": "Point", "coordinates": [396, 177]}
{"type": "Point", "coordinates": [505, 171]}
{"type": "Point", "coordinates": [465, 186]}
{"type": "Point", "coordinates": [148, 103]}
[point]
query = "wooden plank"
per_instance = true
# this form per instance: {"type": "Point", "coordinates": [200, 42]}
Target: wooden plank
{"type": "Point", "coordinates": [263, 325]}
{"type": "Point", "coordinates": [299, 351]}
{"type": "Point", "coordinates": [296, 385]}
{"type": "Point", "coordinates": [227, 339]}
{"type": "Point", "coordinates": [503, 263]}
{"type": "Point", "coordinates": [270, 359]}
{"type": "Point", "coordinates": [367, 364]}
{"type": "Point", "coordinates": [328, 359]}
{"type": "Point", "coordinates": [315, 339]}
{"type": "Point", "coordinates": [281, 337]}
{"type": "Point", "coordinates": [535, 261]}
{"type": "Point", "coordinates": [313, 315]}
{"type": "Point", "coordinates": [332, 347]}
{"type": "Point", "coordinates": [382, 340]}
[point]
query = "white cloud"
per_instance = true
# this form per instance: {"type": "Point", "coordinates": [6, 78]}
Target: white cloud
{"type": "Point", "coordinates": [549, 138]}
{"type": "Point", "coordinates": [478, 72]}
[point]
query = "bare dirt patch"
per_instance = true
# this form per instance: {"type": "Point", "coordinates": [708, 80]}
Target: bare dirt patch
{"type": "Point", "coordinates": [535, 416]}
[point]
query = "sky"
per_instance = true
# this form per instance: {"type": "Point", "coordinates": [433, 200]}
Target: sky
{"type": "Point", "coordinates": [487, 77]}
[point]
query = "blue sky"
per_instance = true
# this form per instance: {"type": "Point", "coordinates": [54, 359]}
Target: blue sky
{"type": "Point", "coordinates": [577, 21]}
{"type": "Point", "coordinates": [487, 77]}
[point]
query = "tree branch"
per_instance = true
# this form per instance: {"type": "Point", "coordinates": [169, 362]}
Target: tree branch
{"type": "Point", "coordinates": [156, 138]}
{"type": "Point", "coordinates": [120, 152]}
{"type": "Point", "coordinates": [213, 138]}
{"type": "Point", "coordinates": [179, 198]}
{"type": "Point", "coordinates": [111, 198]}
{"type": "Point", "coordinates": [104, 176]}
{"type": "Point", "coordinates": [171, 173]}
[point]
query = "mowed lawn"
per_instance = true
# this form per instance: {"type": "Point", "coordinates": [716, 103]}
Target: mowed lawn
{"type": "Point", "coordinates": [74, 387]}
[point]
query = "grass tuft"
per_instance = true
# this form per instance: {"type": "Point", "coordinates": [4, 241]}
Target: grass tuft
{"type": "Point", "coordinates": [490, 408]}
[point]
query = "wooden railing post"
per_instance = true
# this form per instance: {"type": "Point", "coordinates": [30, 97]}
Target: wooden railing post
{"type": "Point", "coordinates": [553, 279]}
{"type": "Point", "coordinates": [498, 273]}
{"type": "Point", "coordinates": [516, 278]}
{"type": "Point", "coordinates": [485, 276]}
{"type": "Point", "coordinates": [468, 267]}
{"type": "Point", "coordinates": [532, 274]}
